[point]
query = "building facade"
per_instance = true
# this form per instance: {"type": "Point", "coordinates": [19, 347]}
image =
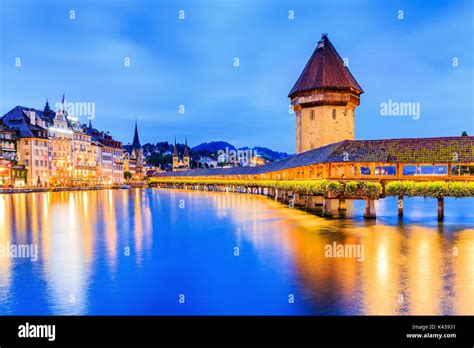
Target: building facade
{"type": "Point", "coordinates": [111, 154]}
{"type": "Point", "coordinates": [61, 139]}
{"type": "Point", "coordinates": [181, 163]}
{"type": "Point", "coordinates": [7, 154]}
{"type": "Point", "coordinates": [46, 148]}
{"type": "Point", "coordinates": [32, 143]}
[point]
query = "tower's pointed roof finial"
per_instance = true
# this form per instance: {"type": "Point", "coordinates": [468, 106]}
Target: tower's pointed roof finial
{"type": "Point", "coordinates": [136, 141]}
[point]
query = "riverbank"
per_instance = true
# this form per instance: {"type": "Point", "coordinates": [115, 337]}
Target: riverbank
{"type": "Point", "coordinates": [61, 189]}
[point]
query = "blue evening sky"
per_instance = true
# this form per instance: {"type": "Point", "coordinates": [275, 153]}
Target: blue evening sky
{"type": "Point", "coordinates": [190, 62]}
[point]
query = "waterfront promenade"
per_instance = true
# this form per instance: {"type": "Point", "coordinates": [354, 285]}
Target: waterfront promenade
{"type": "Point", "coordinates": [60, 189]}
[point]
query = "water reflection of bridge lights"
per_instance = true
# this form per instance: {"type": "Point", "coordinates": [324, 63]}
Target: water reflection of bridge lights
{"type": "Point", "coordinates": [402, 272]}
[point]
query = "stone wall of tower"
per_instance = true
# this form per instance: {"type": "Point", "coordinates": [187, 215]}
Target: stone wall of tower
{"type": "Point", "coordinates": [329, 124]}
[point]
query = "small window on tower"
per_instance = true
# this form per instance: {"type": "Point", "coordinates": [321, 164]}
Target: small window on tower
{"type": "Point", "coordinates": [312, 115]}
{"type": "Point", "coordinates": [312, 146]}
{"type": "Point", "coordinates": [333, 114]}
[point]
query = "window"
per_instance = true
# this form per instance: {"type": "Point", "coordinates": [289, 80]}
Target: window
{"type": "Point", "coordinates": [385, 170]}
{"type": "Point", "coordinates": [409, 170]}
{"type": "Point", "coordinates": [432, 170]}
{"type": "Point", "coordinates": [425, 170]}
{"type": "Point", "coordinates": [312, 146]}
{"type": "Point", "coordinates": [311, 116]}
{"type": "Point", "coordinates": [26, 142]}
{"type": "Point", "coordinates": [333, 114]}
{"type": "Point", "coordinates": [462, 170]}
{"type": "Point", "coordinates": [36, 163]}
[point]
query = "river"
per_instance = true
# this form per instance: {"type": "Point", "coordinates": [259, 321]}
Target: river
{"type": "Point", "coordinates": [176, 252]}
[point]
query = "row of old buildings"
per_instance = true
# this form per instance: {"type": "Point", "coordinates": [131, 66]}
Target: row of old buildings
{"type": "Point", "coordinates": [52, 148]}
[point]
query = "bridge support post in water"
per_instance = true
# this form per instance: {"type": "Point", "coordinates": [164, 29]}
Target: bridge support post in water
{"type": "Point", "coordinates": [369, 212]}
{"type": "Point", "coordinates": [285, 197]}
{"type": "Point", "coordinates": [440, 208]}
{"type": "Point", "coordinates": [400, 206]}
{"type": "Point", "coordinates": [296, 199]}
{"type": "Point", "coordinates": [300, 200]}
{"type": "Point", "coordinates": [327, 207]}
{"type": "Point", "coordinates": [311, 203]}
{"type": "Point", "coordinates": [342, 204]}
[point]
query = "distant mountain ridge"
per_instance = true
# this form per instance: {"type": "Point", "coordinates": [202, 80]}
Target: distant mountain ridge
{"type": "Point", "coordinates": [213, 146]}
{"type": "Point", "coordinates": [160, 153]}
{"type": "Point", "coordinates": [268, 154]}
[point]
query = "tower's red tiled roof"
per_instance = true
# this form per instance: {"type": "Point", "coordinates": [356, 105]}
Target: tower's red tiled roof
{"type": "Point", "coordinates": [325, 69]}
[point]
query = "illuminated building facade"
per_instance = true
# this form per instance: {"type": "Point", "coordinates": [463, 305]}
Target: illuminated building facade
{"type": "Point", "coordinates": [181, 163]}
{"type": "Point", "coordinates": [55, 149]}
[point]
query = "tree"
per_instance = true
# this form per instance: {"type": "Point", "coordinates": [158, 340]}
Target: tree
{"type": "Point", "coordinates": [464, 134]}
{"type": "Point", "coordinates": [127, 175]}
{"type": "Point", "coordinates": [157, 159]}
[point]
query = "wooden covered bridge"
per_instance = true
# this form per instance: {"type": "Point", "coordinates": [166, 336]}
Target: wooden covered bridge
{"type": "Point", "coordinates": [442, 159]}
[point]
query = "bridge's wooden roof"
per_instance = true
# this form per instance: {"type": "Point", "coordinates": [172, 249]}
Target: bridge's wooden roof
{"type": "Point", "coordinates": [410, 150]}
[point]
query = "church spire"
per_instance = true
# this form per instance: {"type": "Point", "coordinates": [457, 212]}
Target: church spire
{"type": "Point", "coordinates": [175, 151]}
{"type": "Point", "coordinates": [136, 140]}
{"type": "Point", "coordinates": [47, 110]}
{"type": "Point", "coordinates": [186, 152]}
{"type": "Point", "coordinates": [46, 107]}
